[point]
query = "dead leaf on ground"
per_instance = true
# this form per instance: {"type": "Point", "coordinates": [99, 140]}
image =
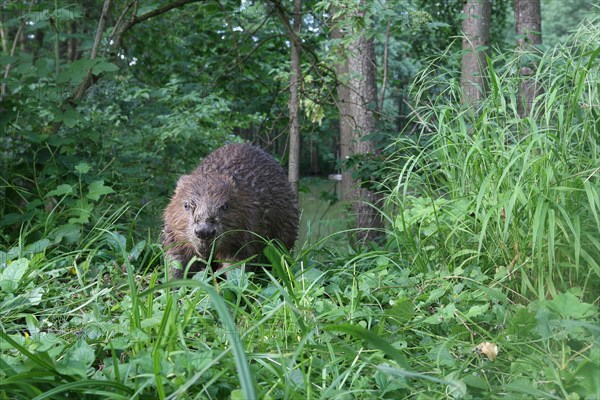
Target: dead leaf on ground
{"type": "Point", "coordinates": [487, 349]}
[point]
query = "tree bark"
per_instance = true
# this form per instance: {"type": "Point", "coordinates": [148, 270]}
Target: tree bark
{"type": "Point", "coordinates": [528, 26]}
{"type": "Point", "coordinates": [357, 99]}
{"type": "Point", "coordinates": [294, 105]}
{"type": "Point", "coordinates": [476, 30]}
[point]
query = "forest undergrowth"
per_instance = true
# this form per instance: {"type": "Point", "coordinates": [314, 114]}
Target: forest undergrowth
{"type": "Point", "coordinates": [487, 285]}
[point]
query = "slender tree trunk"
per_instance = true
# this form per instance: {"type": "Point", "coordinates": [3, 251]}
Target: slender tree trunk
{"type": "Point", "coordinates": [294, 105]}
{"type": "Point", "coordinates": [72, 43]}
{"type": "Point", "coordinates": [528, 26]}
{"type": "Point", "coordinates": [314, 159]}
{"type": "Point", "coordinates": [3, 38]}
{"type": "Point", "coordinates": [386, 48]}
{"type": "Point", "coordinates": [476, 30]}
{"type": "Point", "coordinates": [357, 98]}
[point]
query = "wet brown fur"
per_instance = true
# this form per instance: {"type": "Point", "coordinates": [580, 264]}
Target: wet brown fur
{"type": "Point", "coordinates": [240, 193]}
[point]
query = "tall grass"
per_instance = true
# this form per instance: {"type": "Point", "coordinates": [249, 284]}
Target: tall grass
{"type": "Point", "coordinates": [520, 197]}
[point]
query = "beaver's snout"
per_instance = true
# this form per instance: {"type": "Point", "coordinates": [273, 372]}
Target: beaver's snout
{"type": "Point", "coordinates": [205, 230]}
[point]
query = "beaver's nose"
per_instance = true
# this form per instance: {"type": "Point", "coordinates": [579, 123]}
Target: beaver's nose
{"type": "Point", "coordinates": [205, 231]}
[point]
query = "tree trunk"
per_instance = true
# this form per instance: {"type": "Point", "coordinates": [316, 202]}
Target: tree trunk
{"type": "Point", "coordinates": [357, 98]}
{"type": "Point", "coordinates": [294, 105]}
{"type": "Point", "coordinates": [528, 26]}
{"type": "Point", "coordinates": [72, 42]}
{"type": "Point", "coordinates": [314, 159]}
{"type": "Point", "coordinates": [476, 30]}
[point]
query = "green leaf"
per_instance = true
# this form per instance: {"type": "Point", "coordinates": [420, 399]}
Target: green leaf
{"type": "Point", "coordinates": [152, 322]}
{"type": "Point", "coordinates": [375, 340]}
{"type": "Point", "coordinates": [98, 189]}
{"type": "Point", "coordinates": [137, 250]}
{"type": "Point", "coordinates": [433, 319]}
{"type": "Point", "coordinates": [34, 296]}
{"type": "Point", "coordinates": [524, 387]}
{"type": "Point", "coordinates": [83, 168]}
{"type": "Point", "coordinates": [104, 67]}
{"type": "Point", "coordinates": [477, 310]}
{"type": "Point", "coordinates": [81, 211]}
{"type": "Point", "coordinates": [37, 247]}
{"type": "Point", "coordinates": [402, 311]}
{"type": "Point", "coordinates": [76, 71]}
{"type": "Point", "coordinates": [456, 388]}
{"type": "Point", "coordinates": [77, 360]}
{"type": "Point", "coordinates": [11, 275]}
{"type": "Point", "coordinates": [5, 60]}
{"type": "Point", "coordinates": [435, 294]}
{"type": "Point", "coordinates": [441, 356]}
{"type": "Point", "coordinates": [590, 377]}
{"type": "Point", "coordinates": [237, 394]}
{"type": "Point", "coordinates": [241, 362]}
{"type": "Point", "coordinates": [66, 14]}
{"type": "Point", "coordinates": [522, 324]}
{"type": "Point", "coordinates": [68, 115]}
{"type": "Point", "coordinates": [568, 306]}
{"type": "Point", "coordinates": [70, 233]}
{"type": "Point", "coordinates": [60, 190]}
{"type": "Point", "coordinates": [476, 382]}
{"type": "Point", "coordinates": [117, 241]}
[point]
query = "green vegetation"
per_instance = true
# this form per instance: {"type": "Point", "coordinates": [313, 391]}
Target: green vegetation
{"type": "Point", "coordinates": [486, 285]}
{"type": "Point", "coordinates": [322, 213]}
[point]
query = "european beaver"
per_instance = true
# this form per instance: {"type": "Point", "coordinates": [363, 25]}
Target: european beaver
{"type": "Point", "coordinates": [237, 197]}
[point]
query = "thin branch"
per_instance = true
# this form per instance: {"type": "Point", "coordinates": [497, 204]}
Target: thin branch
{"type": "Point", "coordinates": [314, 58]}
{"type": "Point", "coordinates": [121, 30]}
{"type": "Point", "coordinates": [119, 21]}
{"type": "Point", "coordinates": [385, 66]}
{"type": "Point", "coordinates": [163, 9]}
{"type": "Point", "coordinates": [100, 29]}
{"type": "Point", "coordinates": [235, 49]}
{"type": "Point", "coordinates": [3, 40]}
{"type": "Point", "coordinates": [88, 80]}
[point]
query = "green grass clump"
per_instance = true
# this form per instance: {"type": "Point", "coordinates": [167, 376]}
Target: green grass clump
{"type": "Point", "coordinates": [518, 196]}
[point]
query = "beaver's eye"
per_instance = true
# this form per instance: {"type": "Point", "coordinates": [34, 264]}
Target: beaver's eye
{"type": "Point", "coordinates": [225, 207]}
{"type": "Point", "coordinates": [186, 205]}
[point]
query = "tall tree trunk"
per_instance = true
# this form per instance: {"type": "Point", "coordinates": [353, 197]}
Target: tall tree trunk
{"type": "Point", "coordinates": [476, 30]}
{"type": "Point", "coordinates": [357, 98]}
{"type": "Point", "coordinates": [72, 42]}
{"type": "Point", "coordinates": [294, 105]}
{"type": "Point", "coordinates": [528, 26]}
